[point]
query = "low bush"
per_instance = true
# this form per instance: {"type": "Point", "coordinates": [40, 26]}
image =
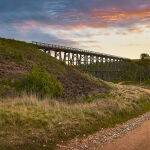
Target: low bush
{"type": "Point", "coordinates": [40, 83]}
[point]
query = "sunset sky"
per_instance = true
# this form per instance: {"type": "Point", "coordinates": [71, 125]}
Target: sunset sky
{"type": "Point", "coordinates": [117, 27]}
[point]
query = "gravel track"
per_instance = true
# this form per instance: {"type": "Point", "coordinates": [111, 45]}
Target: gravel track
{"type": "Point", "coordinates": [137, 139]}
{"type": "Point", "coordinates": [104, 139]}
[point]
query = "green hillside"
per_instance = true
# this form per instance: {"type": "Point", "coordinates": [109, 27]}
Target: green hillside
{"type": "Point", "coordinates": [25, 63]}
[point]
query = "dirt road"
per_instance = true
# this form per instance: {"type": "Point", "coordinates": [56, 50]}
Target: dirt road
{"type": "Point", "coordinates": [132, 135]}
{"type": "Point", "coordinates": [138, 139]}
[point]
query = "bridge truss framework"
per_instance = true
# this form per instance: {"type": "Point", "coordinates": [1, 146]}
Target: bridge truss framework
{"type": "Point", "coordinates": [109, 67]}
{"type": "Point", "coordinates": [75, 56]}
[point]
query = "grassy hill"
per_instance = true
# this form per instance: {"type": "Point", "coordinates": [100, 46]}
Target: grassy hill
{"type": "Point", "coordinates": [31, 82]}
{"type": "Point", "coordinates": [18, 60]}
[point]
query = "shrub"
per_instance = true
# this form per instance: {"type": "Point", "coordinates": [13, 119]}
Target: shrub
{"type": "Point", "coordinates": [40, 83]}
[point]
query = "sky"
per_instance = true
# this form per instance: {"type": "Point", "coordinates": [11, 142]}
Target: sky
{"type": "Point", "coordinates": [117, 27]}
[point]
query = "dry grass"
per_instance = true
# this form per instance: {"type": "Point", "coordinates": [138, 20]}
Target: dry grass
{"type": "Point", "coordinates": [28, 123]}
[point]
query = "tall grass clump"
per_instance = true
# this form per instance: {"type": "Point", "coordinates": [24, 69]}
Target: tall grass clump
{"type": "Point", "coordinates": [40, 83]}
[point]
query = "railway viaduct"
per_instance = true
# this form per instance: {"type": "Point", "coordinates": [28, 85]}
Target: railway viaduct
{"type": "Point", "coordinates": [104, 66]}
{"type": "Point", "coordinates": [75, 56]}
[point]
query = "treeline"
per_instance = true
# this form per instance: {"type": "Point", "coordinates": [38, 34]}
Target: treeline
{"type": "Point", "coordinates": [138, 71]}
{"type": "Point", "coordinates": [133, 70]}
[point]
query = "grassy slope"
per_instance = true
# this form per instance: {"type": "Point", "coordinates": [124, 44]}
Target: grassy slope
{"type": "Point", "coordinates": [26, 123]}
{"type": "Point", "coordinates": [18, 58]}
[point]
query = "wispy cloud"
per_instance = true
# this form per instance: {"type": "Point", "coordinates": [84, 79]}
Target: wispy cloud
{"type": "Point", "coordinates": [91, 24]}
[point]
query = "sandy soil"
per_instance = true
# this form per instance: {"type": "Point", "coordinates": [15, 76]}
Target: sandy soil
{"type": "Point", "coordinates": [138, 139]}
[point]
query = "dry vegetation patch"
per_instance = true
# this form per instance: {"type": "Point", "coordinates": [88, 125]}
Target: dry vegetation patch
{"type": "Point", "coordinates": [27, 122]}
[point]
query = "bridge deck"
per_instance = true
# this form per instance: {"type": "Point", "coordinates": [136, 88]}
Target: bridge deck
{"type": "Point", "coordinates": [60, 48]}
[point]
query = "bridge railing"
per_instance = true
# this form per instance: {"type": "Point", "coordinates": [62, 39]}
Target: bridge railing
{"type": "Point", "coordinates": [75, 50]}
{"type": "Point", "coordinates": [61, 47]}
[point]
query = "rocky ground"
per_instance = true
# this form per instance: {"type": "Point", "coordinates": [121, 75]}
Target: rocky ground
{"type": "Point", "coordinates": [104, 139]}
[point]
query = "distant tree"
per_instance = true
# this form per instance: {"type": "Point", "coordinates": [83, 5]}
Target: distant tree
{"type": "Point", "coordinates": [144, 55]}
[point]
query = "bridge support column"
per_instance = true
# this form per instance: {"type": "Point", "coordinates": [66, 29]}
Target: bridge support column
{"type": "Point", "coordinates": [97, 59]}
{"type": "Point", "coordinates": [77, 60]}
{"type": "Point", "coordinates": [56, 54]}
{"type": "Point", "coordinates": [82, 59]}
{"type": "Point", "coordinates": [91, 59]}
{"type": "Point", "coordinates": [85, 60]}
{"type": "Point", "coordinates": [50, 53]}
{"type": "Point", "coordinates": [60, 56]}
{"type": "Point", "coordinates": [68, 58]}
{"type": "Point", "coordinates": [64, 57]}
{"type": "Point", "coordinates": [73, 59]}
